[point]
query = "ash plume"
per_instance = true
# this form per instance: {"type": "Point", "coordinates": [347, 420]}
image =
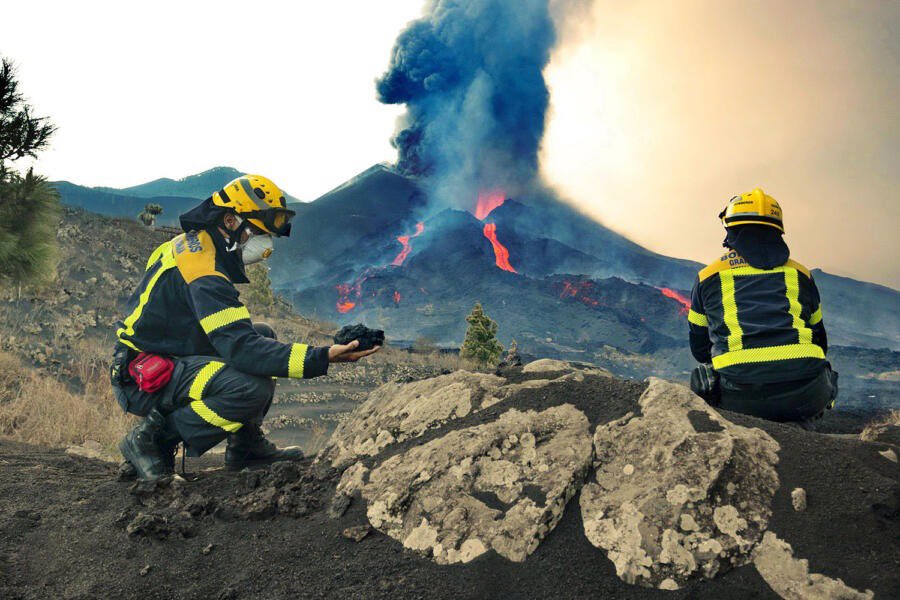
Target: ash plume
{"type": "Point", "coordinates": [470, 74]}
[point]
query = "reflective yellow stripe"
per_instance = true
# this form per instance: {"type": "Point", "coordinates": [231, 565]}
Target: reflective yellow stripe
{"type": "Point", "coordinates": [168, 262]}
{"type": "Point", "coordinates": [729, 305]}
{"type": "Point", "coordinates": [697, 318]}
{"type": "Point", "coordinates": [295, 362]}
{"type": "Point", "coordinates": [210, 416]}
{"type": "Point", "coordinates": [201, 379]}
{"type": "Point", "coordinates": [799, 267]}
{"type": "Point", "coordinates": [772, 353]}
{"type": "Point", "coordinates": [224, 317]}
{"type": "Point", "coordinates": [816, 317]}
{"type": "Point", "coordinates": [129, 344]}
{"type": "Point", "coordinates": [792, 284]}
{"type": "Point", "coordinates": [157, 253]}
{"type": "Point", "coordinates": [739, 271]}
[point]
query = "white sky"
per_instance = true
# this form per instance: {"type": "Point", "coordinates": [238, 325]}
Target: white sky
{"type": "Point", "coordinates": [660, 111]}
{"type": "Point", "coordinates": [168, 89]}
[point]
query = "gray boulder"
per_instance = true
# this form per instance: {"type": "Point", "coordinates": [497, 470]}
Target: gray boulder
{"type": "Point", "coordinates": [680, 492]}
{"type": "Point", "coordinates": [395, 412]}
{"type": "Point", "coordinates": [502, 485]}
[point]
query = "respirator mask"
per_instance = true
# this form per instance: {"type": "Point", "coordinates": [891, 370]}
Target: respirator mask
{"type": "Point", "coordinates": [258, 246]}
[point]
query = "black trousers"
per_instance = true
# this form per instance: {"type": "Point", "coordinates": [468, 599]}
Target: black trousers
{"type": "Point", "coordinates": [787, 401]}
{"type": "Point", "coordinates": [206, 399]}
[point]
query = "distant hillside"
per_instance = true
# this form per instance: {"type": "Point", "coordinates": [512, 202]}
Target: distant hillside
{"type": "Point", "coordinates": [192, 186]}
{"type": "Point", "coordinates": [859, 313]}
{"type": "Point", "coordinates": [174, 195]}
{"type": "Point", "coordinates": [199, 186]}
{"type": "Point", "coordinates": [123, 206]}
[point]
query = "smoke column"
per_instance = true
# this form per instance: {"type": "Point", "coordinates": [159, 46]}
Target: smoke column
{"type": "Point", "coordinates": [470, 74]}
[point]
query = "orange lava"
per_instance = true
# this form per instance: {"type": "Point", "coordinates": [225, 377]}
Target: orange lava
{"type": "Point", "coordinates": [347, 294]}
{"type": "Point", "coordinates": [345, 307]}
{"type": "Point", "coordinates": [396, 297]}
{"type": "Point", "coordinates": [577, 291]}
{"type": "Point", "coordinates": [501, 254]}
{"type": "Point", "coordinates": [407, 247]}
{"type": "Point", "coordinates": [488, 201]}
{"type": "Point", "coordinates": [685, 303]}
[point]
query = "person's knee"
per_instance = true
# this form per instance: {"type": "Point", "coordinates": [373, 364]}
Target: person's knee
{"type": "Point", "coordinates": [260, 389]}
{"type": "Point", "coordinates": [265, 330]}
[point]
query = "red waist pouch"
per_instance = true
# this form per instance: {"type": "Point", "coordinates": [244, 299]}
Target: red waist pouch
{"type": "Point", "coordinates": [151, 372]}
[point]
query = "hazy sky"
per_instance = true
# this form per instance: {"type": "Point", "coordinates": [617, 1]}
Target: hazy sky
{"type": "Point", "coordinates": [660, 110]}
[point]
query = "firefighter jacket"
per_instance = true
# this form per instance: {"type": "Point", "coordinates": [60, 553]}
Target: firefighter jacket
{"type": "Point", "coordinates": [186, 304]}
{"type": "Point", "coordinates": [757, 325]}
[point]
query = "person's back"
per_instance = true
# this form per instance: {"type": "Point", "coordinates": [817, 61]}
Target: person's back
{"type": "Point", "coordinates": [756, 316]}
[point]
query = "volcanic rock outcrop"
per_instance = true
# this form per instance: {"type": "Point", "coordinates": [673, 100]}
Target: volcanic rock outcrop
{"type": "Point", "coordinates": [467, 464]}
{"type": "Point", "coordinates": [501, 486]}
{"type": "Point", "coordinates": [679, 490]}
{"type": "Point", "coordinates": [791, 579]}
{"type": "Point", "coordinates": [395, 412]}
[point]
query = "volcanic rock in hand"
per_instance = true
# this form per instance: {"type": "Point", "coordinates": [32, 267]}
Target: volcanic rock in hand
{"type": "Point", "coordinates": [368, 338]}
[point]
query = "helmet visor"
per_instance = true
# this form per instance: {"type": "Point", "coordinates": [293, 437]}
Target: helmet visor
{"type": "Point", "coordinates": [276, 220]}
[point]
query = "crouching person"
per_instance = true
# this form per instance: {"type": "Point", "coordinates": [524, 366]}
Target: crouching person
{"type": "Point", "coordinates": [188, 358]}
{"type": "Point", "coordinates": [756, 317]}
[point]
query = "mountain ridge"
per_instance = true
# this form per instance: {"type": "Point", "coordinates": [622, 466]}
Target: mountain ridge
{"type": "Point", "coordinates": [356, 227]}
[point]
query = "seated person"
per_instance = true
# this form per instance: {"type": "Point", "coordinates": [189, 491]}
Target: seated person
{"type": "Point", "coordinates": [755, 315]}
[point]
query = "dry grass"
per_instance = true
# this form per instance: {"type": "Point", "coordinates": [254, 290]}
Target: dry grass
{"type": "Point", "coordinates": [876, 427]}
{"type": "Point", "coordinates": [43, 411]}
{"type": "Point", "coordinates": [10, 377]}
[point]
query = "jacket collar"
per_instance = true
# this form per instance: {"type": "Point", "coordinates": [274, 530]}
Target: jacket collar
{"type": "Point", "coordinates": [229, 261]}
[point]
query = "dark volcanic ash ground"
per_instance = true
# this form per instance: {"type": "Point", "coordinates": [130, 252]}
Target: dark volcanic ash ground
{"type": "Point", "coordinates": [69, 529]}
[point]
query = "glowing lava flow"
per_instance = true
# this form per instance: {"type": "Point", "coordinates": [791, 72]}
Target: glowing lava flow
{"type": "Point", "coordinates": [501, 254]}
{"type": "Point", "coordinates": [404, 239]}
{"type": "Point", "coordinates": [685, 303]}
{"type": "Point", "coordinates": [396, 298]}
{"type": "Point", "coordinates": [487, 202]}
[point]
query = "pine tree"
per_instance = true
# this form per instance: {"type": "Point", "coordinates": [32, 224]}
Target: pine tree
{"type": "Point", "coordinates": [29, 217]}
{"type": "Point", "coordinates": [481, 345]}
{"type": "Point", "coordinates": [29, 206]}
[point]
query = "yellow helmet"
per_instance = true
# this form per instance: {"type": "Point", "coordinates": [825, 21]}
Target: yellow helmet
{"type": "Point", "coordinates": [259, 200]}
{"type": "Point", "coordinates": [754, 207]}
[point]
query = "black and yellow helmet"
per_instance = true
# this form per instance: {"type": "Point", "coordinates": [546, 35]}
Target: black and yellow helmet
{"type": "Point", "coordinates": [754, 207]}
{"type": "Point", "coordinates": [260, 201]}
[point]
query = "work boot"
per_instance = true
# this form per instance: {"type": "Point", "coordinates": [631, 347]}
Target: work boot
{"type": "Point", "coordinates": [149, 447]}
{"type": "Point", "coordinates": [248, 447]}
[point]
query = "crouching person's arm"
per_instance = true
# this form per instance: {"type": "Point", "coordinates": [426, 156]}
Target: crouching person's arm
{"type": "Point", "coordinates": [227, 324]}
